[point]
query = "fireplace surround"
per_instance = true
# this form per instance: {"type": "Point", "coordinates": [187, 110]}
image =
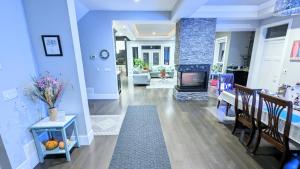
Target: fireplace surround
{"type": "Point", "coordinates": [192, 82]}
{"type": "Point", "coordinates": [192, 78]}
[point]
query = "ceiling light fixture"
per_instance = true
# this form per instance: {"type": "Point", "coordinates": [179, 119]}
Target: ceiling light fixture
{"type": "Point", "coordinates": [136, 0]}
{"type": "Point", "coordinates": [153, 33]}
{"type": "Point", "coordinates": [124, 27]}
{"type": "Point", "coordinates": [287, 8]}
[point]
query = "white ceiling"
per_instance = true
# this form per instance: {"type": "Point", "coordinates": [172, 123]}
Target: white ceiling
{"type": "Point", "coordinates": [145, 31]}
{"type": "Point", "coordinates": [130, 5]}
{"type": "Point", "coordinates": [235, 2]}
{"type": "Point", "coordinates": [157, 29]}
{"type": "Point", "coordinates": [231, 10]}
{"type": "Point", "coordinates": [156, 5]}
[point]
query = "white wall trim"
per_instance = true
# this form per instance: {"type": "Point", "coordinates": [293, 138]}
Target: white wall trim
{"type": "Point", "coordinates": [86, 139]}
{"type": "Point", "coordinates": [31, 156]}
{"type": "Point", "coordinates": [96, 96]}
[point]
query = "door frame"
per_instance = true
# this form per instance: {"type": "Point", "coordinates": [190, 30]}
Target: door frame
{"type": "Point", "coordinates": [217, 50]}
{"type": "Point", "coordinates": [257, 57]}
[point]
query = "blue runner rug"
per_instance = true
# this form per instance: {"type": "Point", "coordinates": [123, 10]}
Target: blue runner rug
{"type": "Point", "coordinates": [140, 143]}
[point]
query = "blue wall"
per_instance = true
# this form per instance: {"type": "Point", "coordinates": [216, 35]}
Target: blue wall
{"type": "Point", "coordinates": [42, 20]}
{"type": "Point", "coordinates": [18, 65]}
{"type": "Point", "coordinates": [96, 33]}
{"type": "Point", "coordinates": [21, 50]}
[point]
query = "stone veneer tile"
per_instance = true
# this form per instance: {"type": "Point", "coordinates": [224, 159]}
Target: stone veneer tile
{"type": "Point", "coordinates": [195, 41]}
{"type": "Point", "coordinates": [184, 96]}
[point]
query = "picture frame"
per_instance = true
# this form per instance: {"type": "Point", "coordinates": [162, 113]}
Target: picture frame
{"type": "Point", "coordinates": [52, 45]}
{"type": "Point", "coordinates": [295, 53]}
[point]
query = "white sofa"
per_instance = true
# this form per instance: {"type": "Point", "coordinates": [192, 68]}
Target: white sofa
{"type": "Point", "coordinates": [141, 79]}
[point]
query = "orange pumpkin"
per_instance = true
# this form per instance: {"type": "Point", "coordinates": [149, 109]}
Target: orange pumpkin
{"type": "Point", "coordinates": [51, 144]}
{"type": "Point", "coordinates": [61, 145]}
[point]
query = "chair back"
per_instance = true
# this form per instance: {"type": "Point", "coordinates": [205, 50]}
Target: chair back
{"type": "Point", "coordinates": [227, 79]}
{"type": "Point", "coordinates": [275, 107]}
{"type": "Point", "coordinates": [248, 98]}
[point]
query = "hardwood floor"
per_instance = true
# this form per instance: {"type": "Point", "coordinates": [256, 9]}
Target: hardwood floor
{"type": "Point", "coordinates": [194, 138]}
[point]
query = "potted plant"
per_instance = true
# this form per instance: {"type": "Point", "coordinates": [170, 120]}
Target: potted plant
{"type": "Point", "coordinates": [163, 73]}
{"type": "Point", "coordinates": [48, 89]}
{"type": "Point", "coordinates": [146, 67]}
{"type": "Point", "coordinates": [139, 63]}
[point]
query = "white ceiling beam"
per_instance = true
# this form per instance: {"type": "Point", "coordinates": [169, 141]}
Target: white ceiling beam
{"type": "Point", "coordinates": [234, 26]}
{"type": "Point", "coordinates": [227, 12]}
{"type": "Point", "coordinates": [266, 9]}
{"type": "Point", "coordinates": [185, 8]}
{"type": "Point", "coordinates": [236, 12]}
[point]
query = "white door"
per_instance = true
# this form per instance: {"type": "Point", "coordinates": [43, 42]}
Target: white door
{"type": "Point", "coordinates": [151, 57]}
{"type": "Point", "coordinates": [271, 64]}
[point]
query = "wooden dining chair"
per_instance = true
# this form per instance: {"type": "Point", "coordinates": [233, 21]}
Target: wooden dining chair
{"type": "Point", "coordinates": [244, 117]}
{"type": "Point", "coordinates": [274, 107]}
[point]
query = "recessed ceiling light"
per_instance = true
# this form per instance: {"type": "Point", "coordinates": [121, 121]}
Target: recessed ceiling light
{"type": "Point", "coordinates": [124, 27]}
{"type": "Point", "coordinates": [153, 33]}
{"type": "Point", "coordinates": [136, 0]}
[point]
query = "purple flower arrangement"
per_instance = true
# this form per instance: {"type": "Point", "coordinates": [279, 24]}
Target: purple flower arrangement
{"type": "Point", "coordinates": [48, 89]}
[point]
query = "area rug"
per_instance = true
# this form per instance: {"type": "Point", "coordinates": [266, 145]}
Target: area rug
{"type": "Point", "coordinates": [158, 83]}
{"type": "Point", "coordinates": [140, 143]}
{"type": "Point", "coordinates": [107, 124]}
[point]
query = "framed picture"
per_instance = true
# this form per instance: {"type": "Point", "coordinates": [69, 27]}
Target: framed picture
{"type": "Point", "coordinates": [52, 46]}
{"type": "Point", "coordinates": [295, 53]}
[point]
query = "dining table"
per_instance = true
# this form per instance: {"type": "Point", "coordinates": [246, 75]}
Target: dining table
{"type": "Point", "coordinates": [229, 97]}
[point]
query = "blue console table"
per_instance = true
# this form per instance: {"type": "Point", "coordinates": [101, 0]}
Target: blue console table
{"type": "Point", "coordinates": [48, 126]}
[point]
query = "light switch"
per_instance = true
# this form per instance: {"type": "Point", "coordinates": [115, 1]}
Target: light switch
{"type": "Point", "coordinates": [10, 94]}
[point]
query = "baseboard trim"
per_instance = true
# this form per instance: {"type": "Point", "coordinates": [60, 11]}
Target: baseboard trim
{"type": "Point", "coordinates": [86, 139]}
{"type": "Point", "coordinates": [31, 156]}
{"type": "Point", "coordinates": [103, 96]}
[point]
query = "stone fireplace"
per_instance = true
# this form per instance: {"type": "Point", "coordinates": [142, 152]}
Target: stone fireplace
{"type": "Point", "coordinates": [192, 78]}
{"type": "Point", "coordinates": [193, 57]}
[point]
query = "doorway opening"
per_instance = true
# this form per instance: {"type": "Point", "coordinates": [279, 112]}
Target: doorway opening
{"type": "Point", "coordinates": [232, 58]}
{"type": "Point", "coordinates": [150, 49]}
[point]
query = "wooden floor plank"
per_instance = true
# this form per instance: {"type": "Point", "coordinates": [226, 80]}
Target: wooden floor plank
{"type": "Point", "coordinates": [193, 136]}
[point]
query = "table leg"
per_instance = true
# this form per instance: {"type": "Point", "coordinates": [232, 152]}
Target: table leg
{"type": "Point", "coordinates": [218, 105]}
{"type": "Point", "coordinates": [76, 134]}
{"type": "Point", "coordinates": [227, 109]}
{"type": "Point", "coordinates": [64, 135]}
{"type": "Point", "coordinates": [38, 146]}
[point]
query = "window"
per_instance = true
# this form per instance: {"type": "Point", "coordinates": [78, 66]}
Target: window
{"type": "Point", "coordinates": [166, 55]}
{"type": "Point", "coordinates": [146, 58]}
{"type": "Point", "coordinates": [155, 58]}
{"type": "Point", "coordinates": [151, 47]}
{"type": "Point", "coordinates": [221, 52]}
{"type": "Point", "coordinates": [135, 53]}
{"type": "Point", "coordinates": [277, 31]}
